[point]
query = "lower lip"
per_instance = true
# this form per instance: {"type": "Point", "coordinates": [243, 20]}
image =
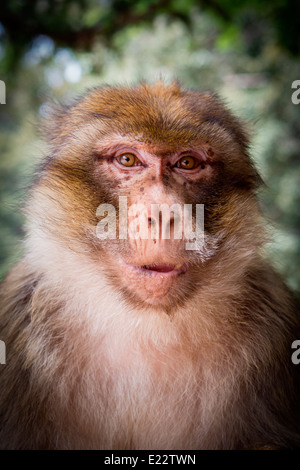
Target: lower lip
{"type": "Point", "coordinates": [164, 271]}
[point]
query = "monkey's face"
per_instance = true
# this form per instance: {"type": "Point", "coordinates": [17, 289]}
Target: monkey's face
{"type": "Point", "coordinates": [150, 187]}
{"type": "Point", "coordinates": [166, 151]}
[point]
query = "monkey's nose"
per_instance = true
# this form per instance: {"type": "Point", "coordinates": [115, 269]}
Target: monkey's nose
{"type": "Point", "coordinates": [161, 227]}
{"type": "Point", "coordinates": [151, 222]}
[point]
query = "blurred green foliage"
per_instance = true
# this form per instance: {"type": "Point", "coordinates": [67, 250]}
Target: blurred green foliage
{"type": "Point", "coordinates": [248, 51]}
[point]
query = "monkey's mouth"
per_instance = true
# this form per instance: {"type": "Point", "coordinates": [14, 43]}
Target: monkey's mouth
{"type": "Point", "coordinates": [155, 283]}
{"type": "Point", "coordinates": [163, 270]}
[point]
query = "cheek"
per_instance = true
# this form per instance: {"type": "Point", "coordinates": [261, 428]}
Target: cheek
{"type": "Point", "coordinates": [212, 195]}
{"type": "Point", "coordinates": [112, 187]}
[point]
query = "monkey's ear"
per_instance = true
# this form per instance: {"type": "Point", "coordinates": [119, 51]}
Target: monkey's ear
{"type": "Point", "coordinates": [53, 124]}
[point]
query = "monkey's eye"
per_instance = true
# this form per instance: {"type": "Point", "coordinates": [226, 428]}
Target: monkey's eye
{"type": "Point", "coordinates": [187, 163]}
{"type": "Point", "coordinates": [127, 159]}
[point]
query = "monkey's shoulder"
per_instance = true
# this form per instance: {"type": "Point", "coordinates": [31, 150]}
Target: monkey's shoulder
{"type": "Point", "coordinates": [16, 292]}
{"type": "Point", "coordinates": [263, 286]}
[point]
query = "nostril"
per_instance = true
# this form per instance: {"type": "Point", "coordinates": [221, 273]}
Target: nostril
{"type": "Point", "coordinates": [161, 224]}
{"type": "Point", "coordinates": [170, 228]}
{"type": "Point", "coordinates": [155, 227]}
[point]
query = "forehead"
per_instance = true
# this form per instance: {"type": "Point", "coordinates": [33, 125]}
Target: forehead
{"type": "Point", "coordinates": [157, 114]}
{"type": "Point", "coordinates": [116, 141]}
{"type": "Point", "coordinates": [160, 114]}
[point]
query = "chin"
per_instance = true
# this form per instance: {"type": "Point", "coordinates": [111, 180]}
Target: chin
{"type": "Point", "coordinates": [159, 285]}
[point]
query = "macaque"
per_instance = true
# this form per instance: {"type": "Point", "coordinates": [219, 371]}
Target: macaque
{"type": "Point", "coordinates": [131, 342]}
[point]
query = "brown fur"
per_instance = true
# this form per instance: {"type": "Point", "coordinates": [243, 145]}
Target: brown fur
{"type": "Point", "coordinates": [96, 360]}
